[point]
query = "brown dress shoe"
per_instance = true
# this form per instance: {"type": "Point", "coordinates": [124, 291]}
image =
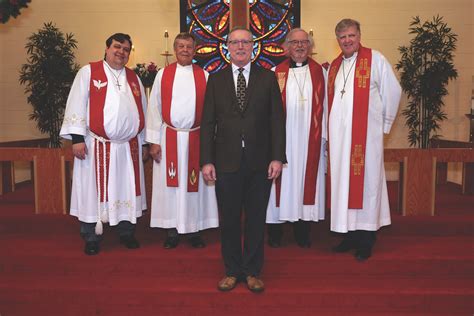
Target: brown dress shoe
{"type": "Point", "coordinates": [227, 283]}
{"type": "Point", "coordinates": [254, 284]}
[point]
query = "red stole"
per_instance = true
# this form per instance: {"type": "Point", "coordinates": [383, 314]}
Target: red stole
{"type": "Point", "coordinates": [167, 82]}
{"type": "Point", "coordinates": [359, 121]}
{"type": "Point", "coordinates": [314, 139]}
{"type": "Point", "coordinates": [98, 92]}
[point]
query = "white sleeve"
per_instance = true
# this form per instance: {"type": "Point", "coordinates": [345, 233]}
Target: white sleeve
{"type": "Point", "coordinates": [76, 113]}
{"type": "Point", "coordinates": [154, 120]}
{"type": "Point", "coordinates": [389, 89]}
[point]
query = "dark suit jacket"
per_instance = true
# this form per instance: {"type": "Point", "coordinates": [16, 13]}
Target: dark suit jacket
{"type": "Point", "coordinates": [261, 125]}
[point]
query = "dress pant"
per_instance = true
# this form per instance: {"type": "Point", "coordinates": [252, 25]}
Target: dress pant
{"type": "Point", "coordinates": [248, 190]}
{"type": "Point", "coordinates": [123, 228]}
{"type": "Point", "coordinates": [301, 230]}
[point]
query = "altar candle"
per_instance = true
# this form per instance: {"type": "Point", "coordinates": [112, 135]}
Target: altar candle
{"type": "Point", "coordinates": [166, 41]}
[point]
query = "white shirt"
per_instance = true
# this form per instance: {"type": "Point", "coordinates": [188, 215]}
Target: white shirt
{"type": "Point", "coordinates": [246, 73]}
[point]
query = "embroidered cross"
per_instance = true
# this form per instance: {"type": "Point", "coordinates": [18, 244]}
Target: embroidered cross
{"type": "Point", "coordinates": [357, 160]}
{"type": "Point", "coordinates": [362, 73]}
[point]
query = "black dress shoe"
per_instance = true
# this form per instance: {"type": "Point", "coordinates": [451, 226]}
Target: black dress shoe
{"type": "Point", "coordinates": [171, 242]}
{"type": "Point", "coordinates": [91, 248]}
{"type": "Point", "coordinates": [130, 242]}
{"type": "Point", "coordinates": [363, 254]}
{"type": "Point", "coordinates": [197, 242]}
{"type": "Point", "coordinates": [274, 242]}
{"type": "Point", "coordinates": [344, 246]}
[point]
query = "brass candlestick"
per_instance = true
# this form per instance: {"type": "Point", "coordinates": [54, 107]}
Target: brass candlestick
{"type": "Point", "coordinates": [166, 53]}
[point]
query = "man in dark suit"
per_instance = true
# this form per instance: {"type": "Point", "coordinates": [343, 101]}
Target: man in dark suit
{"type": "Point", "coordinates": [242, 149]}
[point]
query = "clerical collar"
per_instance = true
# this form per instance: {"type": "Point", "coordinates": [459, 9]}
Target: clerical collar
{"type": "Point", "coordinates": [293, 64]}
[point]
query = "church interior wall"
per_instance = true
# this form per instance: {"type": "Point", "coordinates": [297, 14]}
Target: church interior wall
{"type": "Point", "coordinates": [384, 28]}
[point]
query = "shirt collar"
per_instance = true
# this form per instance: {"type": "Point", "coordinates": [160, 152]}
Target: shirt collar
{"type": "Point", "coordinates": [235, 69]}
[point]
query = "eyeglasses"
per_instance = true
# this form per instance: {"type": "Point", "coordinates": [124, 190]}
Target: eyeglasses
{"type": "Point", "coordinates": [297, 43]}
{"type": "Point", "coordinates": [243, 42]}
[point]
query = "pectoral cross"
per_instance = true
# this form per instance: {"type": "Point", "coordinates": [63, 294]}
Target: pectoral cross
{"type": "Point", "coordinates": [118, 85]}
{"type": "Point", "coordinates": [342, 93]}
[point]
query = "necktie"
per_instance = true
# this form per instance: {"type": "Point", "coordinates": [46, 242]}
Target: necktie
{"type": "Point", "coordinates": [241, 89]}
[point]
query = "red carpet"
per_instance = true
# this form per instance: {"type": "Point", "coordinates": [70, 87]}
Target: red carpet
{"type": "Point", "coordinates": [421, 266]}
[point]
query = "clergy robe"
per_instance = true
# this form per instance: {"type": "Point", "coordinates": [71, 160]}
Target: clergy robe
{"type": "Point", "coordinates": [175, 207]}
{"type": "Point", "coordinates": [384, 97]}
{"type": "Point", "coordinates": [121, 123]}
{"type": "Point", "coordinates": [298, 119]}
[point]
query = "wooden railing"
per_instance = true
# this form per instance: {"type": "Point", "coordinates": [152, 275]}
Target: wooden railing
{"type": "Point", "coordinates": [417, 175]}
{"type": "Point", "coordinates": [467, 168]}
{"type": "Point", "coordinates": [417, 181]}
{"type": "Point", "coordinates": [49, 175]}
{"type": "Point", "coordinates": [7, 170]}
{"type": "Point", "coordinates": [51, 168]}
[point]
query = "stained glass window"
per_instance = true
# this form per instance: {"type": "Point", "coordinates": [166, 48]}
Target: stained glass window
{"type": "Point", "coordinates": [269, 22]}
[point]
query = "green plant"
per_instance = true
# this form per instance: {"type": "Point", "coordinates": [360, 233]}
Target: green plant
{"type": "Point", "coordinates": [48, 76]}
{"type": "Point", "coordinates": [426, 68]}
{"type": "Point", "coordinates": [12, 8]}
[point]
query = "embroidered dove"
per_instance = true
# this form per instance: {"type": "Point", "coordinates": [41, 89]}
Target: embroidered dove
{"type": "Point", "coordinates": [99, 84]}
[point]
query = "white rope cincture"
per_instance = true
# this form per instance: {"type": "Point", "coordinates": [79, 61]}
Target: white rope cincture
{"type": "Point", "coordinates": [98, 227]}
{"type": "Point", "coordinates": [102, 215]}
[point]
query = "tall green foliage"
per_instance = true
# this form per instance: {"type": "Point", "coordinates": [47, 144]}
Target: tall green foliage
{"type": "Point", "coordinates": [48, 76]}
{"type": "Point", "coordinates": [426, 68]}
